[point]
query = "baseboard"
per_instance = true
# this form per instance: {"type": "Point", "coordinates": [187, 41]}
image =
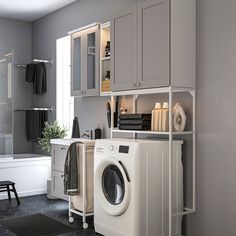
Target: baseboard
{"type": "Point", "coordinates": [24, 193]}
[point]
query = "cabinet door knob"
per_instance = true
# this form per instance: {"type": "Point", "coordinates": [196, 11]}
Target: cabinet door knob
{"type": "Point", "coordinates": [133, 84]}
{"type": "Point", "coordinates": [63, 148]}
{"type": "Point", "coordinates": [139, 84]}
{"type": "Point", "coordinates": [62, 176]}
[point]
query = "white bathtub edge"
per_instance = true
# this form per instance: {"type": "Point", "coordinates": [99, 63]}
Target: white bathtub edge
{"type": "Point", "coordinates": [24, 193]}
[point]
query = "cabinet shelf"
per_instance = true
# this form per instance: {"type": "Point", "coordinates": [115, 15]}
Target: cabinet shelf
{"type": "Point", "coordinates": [160, 90]}
{"type": "Point", "coordinates": [152, 132]}
{"type": "Point", "coordinates": [106, 58]}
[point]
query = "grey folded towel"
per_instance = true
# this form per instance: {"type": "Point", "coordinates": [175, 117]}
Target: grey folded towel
{"type": "Point", "coordinates": [71, 170]}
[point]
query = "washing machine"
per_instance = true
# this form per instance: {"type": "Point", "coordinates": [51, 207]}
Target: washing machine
{"type": "Point", "coordinates": [131, 187]}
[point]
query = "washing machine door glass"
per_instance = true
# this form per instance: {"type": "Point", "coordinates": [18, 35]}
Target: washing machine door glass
{"type": "Point", "coordinates": [113, 184]}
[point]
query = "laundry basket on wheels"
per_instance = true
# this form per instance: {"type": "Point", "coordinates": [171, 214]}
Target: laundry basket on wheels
{"type": "Point", "coordinates": [82, 204]}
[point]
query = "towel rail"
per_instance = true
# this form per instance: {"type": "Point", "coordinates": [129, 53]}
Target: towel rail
{"type": "Point", "coordinates": [36, 109]}
{"type": "Point", "coordinates": [34, 60]}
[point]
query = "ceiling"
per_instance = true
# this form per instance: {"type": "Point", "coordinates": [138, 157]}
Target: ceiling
{"type": "Point", "coordinates": [30, 10]}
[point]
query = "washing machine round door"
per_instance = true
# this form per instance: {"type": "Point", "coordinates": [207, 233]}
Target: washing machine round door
{"type": "Point", "coordinates": [112, 186]}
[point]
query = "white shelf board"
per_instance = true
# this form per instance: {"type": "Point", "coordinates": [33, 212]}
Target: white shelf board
{"type": "Point", "coordinates": [151, 132]}
{"type": "Point", "coordinates": [152, 91]}
{"type": "Point", "coordinates": [105, 58]}
{"type": "Point", "coordinates": [105, 94]}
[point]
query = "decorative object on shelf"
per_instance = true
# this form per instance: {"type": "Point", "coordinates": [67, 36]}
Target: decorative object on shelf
{"type": "Point", "coordinates": [108, 107]}
{"type": "Point", "coordinates": [98, 133]}
{"type": "Point", "coordinates": [179, 117]}
{"type": "Point", "coordinates": [165, 117]}
{"type": "Point", "coordinates": [123, 110]}
{"type": "Point", "coordinates": [52, 130]}
{"type": "Point", "coordinates": [75, 128]}
{"type": "Point", "coordinates": [106, 85]}
{"type": "Point", "coordinates": [107, 76]}
{"type": "Point", "coordinates": [156, 117]}
{"type": "Point", "coordinates": [107, 49]}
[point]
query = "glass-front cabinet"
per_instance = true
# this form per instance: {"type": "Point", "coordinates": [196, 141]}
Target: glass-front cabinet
{"type": "Point", "coordinates": [85, 62]}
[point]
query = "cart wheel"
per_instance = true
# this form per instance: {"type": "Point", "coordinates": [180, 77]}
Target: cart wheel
{"type": "Point", "coordinates": [71, 219]}
{"type": "Point", "coordinates": [85, 225]}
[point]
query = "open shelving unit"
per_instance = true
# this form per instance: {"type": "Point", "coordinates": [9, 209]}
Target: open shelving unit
{"type": "Point", "coordinates": [170, 92]}
{"type": "Point", "coordinates": [104, 61]}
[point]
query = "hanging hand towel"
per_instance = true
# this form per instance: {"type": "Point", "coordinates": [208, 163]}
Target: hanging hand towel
{"type": "Point", "coordinates": [30, 73]}
{"type": "Point", "coordinates": [40, 81]}
{"type": "Point", "coordinates": [71, 170]}
{"type": "Point", "coordinates": [35, 122]}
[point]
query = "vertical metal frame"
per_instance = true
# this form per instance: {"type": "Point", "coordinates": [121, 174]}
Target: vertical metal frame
{"type": "Point", "coordinates": [170, 158]}
{"type": "Point", "coordinates": [170, 90]}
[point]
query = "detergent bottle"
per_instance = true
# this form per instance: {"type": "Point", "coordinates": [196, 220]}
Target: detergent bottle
{"type": "Point", "coordinates": [156, 117]}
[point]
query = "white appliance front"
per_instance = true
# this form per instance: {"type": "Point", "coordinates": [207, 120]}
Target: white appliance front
{"type": "Point", "coordinates": [131, 187]}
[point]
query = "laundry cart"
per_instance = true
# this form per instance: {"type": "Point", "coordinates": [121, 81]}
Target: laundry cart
{"type": "Point", "coordinates": [83, 203]}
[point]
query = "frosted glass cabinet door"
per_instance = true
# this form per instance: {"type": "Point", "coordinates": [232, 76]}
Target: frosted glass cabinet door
{"type": "Point", "coordinates": [123, 50]}
{"type": "Point", "coordinates": [85, 62]}
{"type": "Point", "coordinates": [153, 43]}
{"type": "Point", "coordinates": [92, 62]}
{"type": "Point", "coordinates": [77, 64]}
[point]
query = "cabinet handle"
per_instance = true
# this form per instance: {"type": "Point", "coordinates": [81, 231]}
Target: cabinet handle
{"type": "Point", "coordinates": [138, 84]}
{"type": "Point", "coordinates": [133, 84]}
{"type": "Point", "coordinates": [82, 92]}
{"type": "Point", "coordinates": [62, 176]}
{"type": "Point", "coordinates": [85, 91]}
{"type": "Point", "coordinates": [63, 148]}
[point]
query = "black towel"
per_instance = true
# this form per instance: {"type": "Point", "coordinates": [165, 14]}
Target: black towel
{"type": "Point", "coordinates": [35, 123]}
{"type": "Point", "coordinates": [135, 116]}
{"type": "Point", "coordinates": [40, 81]}
{"type": "Point", "coordinates": [135, 127]}
{"type": "Point", "coordinates": [135, 122]}
{"type": "Point", "coordinates": [30, 73]}
{"type": "Point", "coordinates": [36, 73]}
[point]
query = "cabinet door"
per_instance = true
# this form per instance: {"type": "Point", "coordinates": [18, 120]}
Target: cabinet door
{"type": "Point", "coordinates": [58, 185]}
{"type": "Point", "coordinates": [123, 50]}
{"type": "Point", "coordinates": [91, 63]}
{"type": "Point", "coordinates": [59, 153]}
{"type": "Point", "coordinates": [77, 64]}
{"type": "Point", "coordinates": [153, 43]}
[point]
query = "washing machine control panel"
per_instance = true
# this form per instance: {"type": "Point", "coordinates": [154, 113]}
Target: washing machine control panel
{"type": "Point", "coordinates": [123, 149]}
{"type": "Point", "coordinates": [113, 148]}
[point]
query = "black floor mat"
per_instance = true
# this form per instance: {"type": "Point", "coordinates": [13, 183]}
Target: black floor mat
{"type": "Point", "coordinates": [36, 225]}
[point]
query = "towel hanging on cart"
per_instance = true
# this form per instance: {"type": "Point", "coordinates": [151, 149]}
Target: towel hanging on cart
{"type": "Point", "coordinates": [71, 170]}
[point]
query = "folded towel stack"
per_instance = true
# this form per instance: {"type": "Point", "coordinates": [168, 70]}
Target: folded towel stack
{"type": "Point", "coordinates": [135, 121]}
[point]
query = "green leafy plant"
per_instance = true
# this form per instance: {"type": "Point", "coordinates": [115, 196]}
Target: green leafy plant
{"type": "Point", "coordinates": [52, 130]}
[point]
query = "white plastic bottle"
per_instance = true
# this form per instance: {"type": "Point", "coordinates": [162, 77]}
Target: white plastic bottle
{"type": "Point", "coordinates": [156, 116]}
{"type": "Point", "coordinates": [165, 117]}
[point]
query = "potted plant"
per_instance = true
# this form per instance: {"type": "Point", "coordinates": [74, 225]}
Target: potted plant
{"type": "Point", "coordinates": [52, 130]}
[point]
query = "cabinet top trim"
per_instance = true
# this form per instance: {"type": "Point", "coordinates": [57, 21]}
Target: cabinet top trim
{"type": "Point", "coordinates": [83, 28]}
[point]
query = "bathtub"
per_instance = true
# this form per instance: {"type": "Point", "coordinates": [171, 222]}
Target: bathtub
{"type": "Point", "coordinates": [29, 171]}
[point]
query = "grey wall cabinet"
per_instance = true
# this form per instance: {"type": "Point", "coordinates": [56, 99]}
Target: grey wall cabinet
{"type": "Point", "coordinates": [85, 62]}
{"type": "Point", "coordinates": [153, 45]}
{"type": "Point", "coordinates": [124, 49]}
